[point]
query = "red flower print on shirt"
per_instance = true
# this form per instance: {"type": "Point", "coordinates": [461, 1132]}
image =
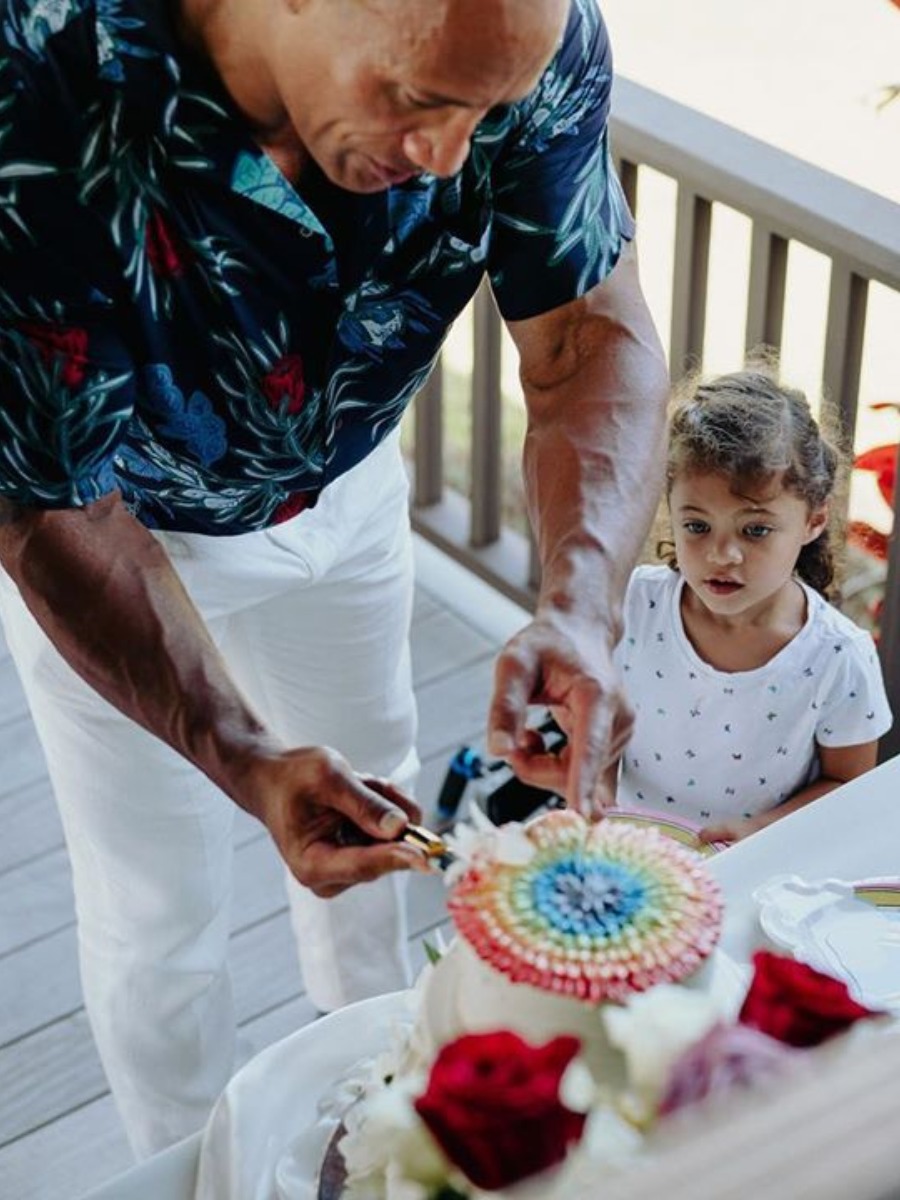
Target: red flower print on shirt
{"type": "Point", "coordinates": [166, 251]}
{"type": "Point", "coordinates": [295, 504]}
{"type": "Point", "coordinates": [286, 381]}
{"type": "Point", "coordinates": [60, 344]}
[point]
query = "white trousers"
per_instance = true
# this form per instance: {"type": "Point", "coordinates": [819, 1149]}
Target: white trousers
{"type": "Point", "coordinates": [312, 617]}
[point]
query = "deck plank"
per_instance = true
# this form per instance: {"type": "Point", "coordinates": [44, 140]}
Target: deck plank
{"type": "Point", "coordinates": [30, 823]}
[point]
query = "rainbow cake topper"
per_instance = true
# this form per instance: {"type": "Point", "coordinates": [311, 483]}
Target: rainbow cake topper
{"type": "Point", "coordinates": [595, 912]}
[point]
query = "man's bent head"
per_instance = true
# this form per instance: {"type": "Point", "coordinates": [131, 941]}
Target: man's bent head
{"type": "Point", "coordinates": [380, 90]}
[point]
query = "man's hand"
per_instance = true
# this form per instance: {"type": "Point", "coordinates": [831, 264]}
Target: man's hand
{"type": "Point", "coordinates": [332, 827]}
{"type": "Point", "coordinates": [562, 664]}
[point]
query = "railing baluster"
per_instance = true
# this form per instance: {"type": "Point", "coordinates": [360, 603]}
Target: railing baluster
{"type": "Point", "coordinates": [765, 296]}
{"type": "Point", "coordinates": [429, 439]}
{"type": "Point", "coordinates": [486, 421]}
{"type": "Point", "coordinates": [844, 336]}
{"type": "Point", "coordinates": [628, 177]}
{"type": "Point", "coordinates": [689, 286]}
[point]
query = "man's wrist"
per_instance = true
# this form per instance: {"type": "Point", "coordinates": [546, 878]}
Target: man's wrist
{"type": "Point", "coordinates": [580, 583]}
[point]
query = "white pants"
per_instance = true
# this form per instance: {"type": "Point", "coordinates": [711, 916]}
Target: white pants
{"type": "Point", "coordinates": [312, 617]}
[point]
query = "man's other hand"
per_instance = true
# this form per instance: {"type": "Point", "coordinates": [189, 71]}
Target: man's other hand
{"type": "Point", "coordinates": [333, 828]}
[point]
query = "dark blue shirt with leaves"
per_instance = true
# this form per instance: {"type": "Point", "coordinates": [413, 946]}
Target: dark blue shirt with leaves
{"type": "Point", "coordinates": [179, 323]}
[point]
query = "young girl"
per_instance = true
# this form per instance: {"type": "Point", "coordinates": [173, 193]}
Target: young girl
{"type": "Point", "coordinates": [753, 695]}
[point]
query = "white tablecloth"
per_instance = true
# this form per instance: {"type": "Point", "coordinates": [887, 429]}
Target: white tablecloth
{"type": "Point", "coordinates": [853, 833]}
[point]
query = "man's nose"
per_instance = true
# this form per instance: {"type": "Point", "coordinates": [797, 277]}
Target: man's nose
{"type": "Point", "coordinates": [443, 147]}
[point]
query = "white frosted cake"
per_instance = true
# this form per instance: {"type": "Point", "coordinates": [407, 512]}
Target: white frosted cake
{"type": "Point", "coordinates": [561, 926]}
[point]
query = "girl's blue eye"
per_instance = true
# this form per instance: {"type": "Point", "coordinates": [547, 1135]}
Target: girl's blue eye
{"type": "Point", "coordinates": [757, 532]}
{"type": "Point", "coordinates": [696, 527]}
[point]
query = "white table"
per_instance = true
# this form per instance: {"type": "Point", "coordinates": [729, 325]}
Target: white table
{"type": "Point", "coordinates": [852, 833]}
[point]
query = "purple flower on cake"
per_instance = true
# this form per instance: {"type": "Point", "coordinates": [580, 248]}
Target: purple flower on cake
{"type": "Point", "coordinates": [725, 1059]}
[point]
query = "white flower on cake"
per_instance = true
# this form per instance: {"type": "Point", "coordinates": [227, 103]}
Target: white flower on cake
{"type": "Point", "coordinates": [653, 1030]}
{"type": "Point", "coordinates": [387, 1150]}
{"type": "Point", "coordinates": [480, 840]}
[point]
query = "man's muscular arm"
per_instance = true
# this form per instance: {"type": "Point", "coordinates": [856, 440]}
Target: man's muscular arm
{"type": "Point", "coordinates": [596, 387]}
{"type": "Point", "coordinates": [105, 593]}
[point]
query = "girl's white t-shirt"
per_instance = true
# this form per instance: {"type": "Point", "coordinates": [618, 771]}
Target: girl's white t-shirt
{"type": "Point", "coordinates": [712, 744]}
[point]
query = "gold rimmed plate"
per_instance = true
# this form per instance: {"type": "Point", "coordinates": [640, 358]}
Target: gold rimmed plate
{"type": "Point", "coordinates": [685, 832]}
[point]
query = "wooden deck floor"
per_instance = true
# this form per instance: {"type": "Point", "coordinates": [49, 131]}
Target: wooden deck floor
{"type": "Point", "coordinates": [59, 1132]}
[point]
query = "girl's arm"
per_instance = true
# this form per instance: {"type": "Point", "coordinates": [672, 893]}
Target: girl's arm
{"type": "Point", "coordinates": [838, 765]}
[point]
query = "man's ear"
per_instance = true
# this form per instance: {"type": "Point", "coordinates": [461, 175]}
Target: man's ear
{"type": "Point", "coordinates": [817, 521]}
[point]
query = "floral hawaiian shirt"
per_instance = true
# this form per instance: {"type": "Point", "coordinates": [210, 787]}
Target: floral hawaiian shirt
{"type": "Point", "coordinates": [179, 323]}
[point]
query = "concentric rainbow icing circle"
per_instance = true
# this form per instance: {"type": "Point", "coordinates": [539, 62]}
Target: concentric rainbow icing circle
{"type": "Point", "coordinates": [598, 913]}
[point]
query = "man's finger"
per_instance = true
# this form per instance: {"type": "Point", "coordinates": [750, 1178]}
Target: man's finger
{"type": "Point", "coordinates": [365, 806]}
{"type": "Point", "coordinates": [508, 711]}
{"type": "Point", "coordinates": [547, 771]}
{"type": "Point", "coordinates": [602, 798]}
{"type": "Point", "coordinates": [589, 754]}
{"type": "Point", "coordinates": [327, 869]}
{"type": "Point", "coordinates": [395, 794]}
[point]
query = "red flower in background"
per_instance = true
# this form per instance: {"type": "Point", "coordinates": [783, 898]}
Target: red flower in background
{"type": "Point", "coordinates": [60, 344]}
{"type": "Point", "coordinates": [165, 249]}
{"type": "Point", "coordinates": [286, 382]}
{"type": "Point", "coordinates": [796, 1004]}
{"type": "Point", "coordinates": [492, 1104]}
{"type": "Point", "coordinates": [882, 460]}
{"type": "Point", "coordinates": [869, 539]}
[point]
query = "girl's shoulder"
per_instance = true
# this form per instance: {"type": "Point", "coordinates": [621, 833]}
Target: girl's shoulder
{"type": "Point", "coordinates": [836, 637]}
{"type": "Point", "coordinates": [649, 597]}
{"type": "Point", "coordinates": [829, 623]}
{"type": "Point", "coordinates": [653, 578]}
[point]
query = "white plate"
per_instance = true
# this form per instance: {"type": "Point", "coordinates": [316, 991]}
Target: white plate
{"type": "Point", "coordinates": [826, 924]}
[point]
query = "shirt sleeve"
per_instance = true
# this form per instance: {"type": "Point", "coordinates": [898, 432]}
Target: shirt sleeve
{"type": "Point", "coordinates": [856, 709]}
{"type": "Point", "coordinates": [560, 216]}
{"type": "Point", "coordinates": [66, 381]}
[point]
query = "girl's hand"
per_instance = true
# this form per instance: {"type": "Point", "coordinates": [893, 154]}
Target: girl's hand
{"type": "Point", "coordinates": [731, 831]}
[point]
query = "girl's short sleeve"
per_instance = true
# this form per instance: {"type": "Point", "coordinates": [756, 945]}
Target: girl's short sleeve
{"type": "Point", "coordinates": [856, 708]}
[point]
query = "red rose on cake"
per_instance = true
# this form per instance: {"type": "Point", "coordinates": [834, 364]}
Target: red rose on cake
{"type": "Point", "coordinates": [477, 1083]}
{"type": "Point", "coordinates": [796, 1004]}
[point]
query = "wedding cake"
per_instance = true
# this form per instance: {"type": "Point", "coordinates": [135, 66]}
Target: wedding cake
{"type": "Point", "coordinates": [581, 1000]}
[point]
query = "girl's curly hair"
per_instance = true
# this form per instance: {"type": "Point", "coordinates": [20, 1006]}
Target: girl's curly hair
{"type": "Point", "coordinates": [749, 427]}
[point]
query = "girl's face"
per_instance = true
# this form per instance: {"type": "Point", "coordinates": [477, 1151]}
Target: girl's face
{"type": "Point", "coordinates": [737, 553]}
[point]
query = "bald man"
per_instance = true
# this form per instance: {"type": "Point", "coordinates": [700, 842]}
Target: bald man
{"type": "Point", "coordinates": [233, 235]}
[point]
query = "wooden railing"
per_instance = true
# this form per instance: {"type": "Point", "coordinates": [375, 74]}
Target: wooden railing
{"type": "Point", "coordinates": [786, 200]}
